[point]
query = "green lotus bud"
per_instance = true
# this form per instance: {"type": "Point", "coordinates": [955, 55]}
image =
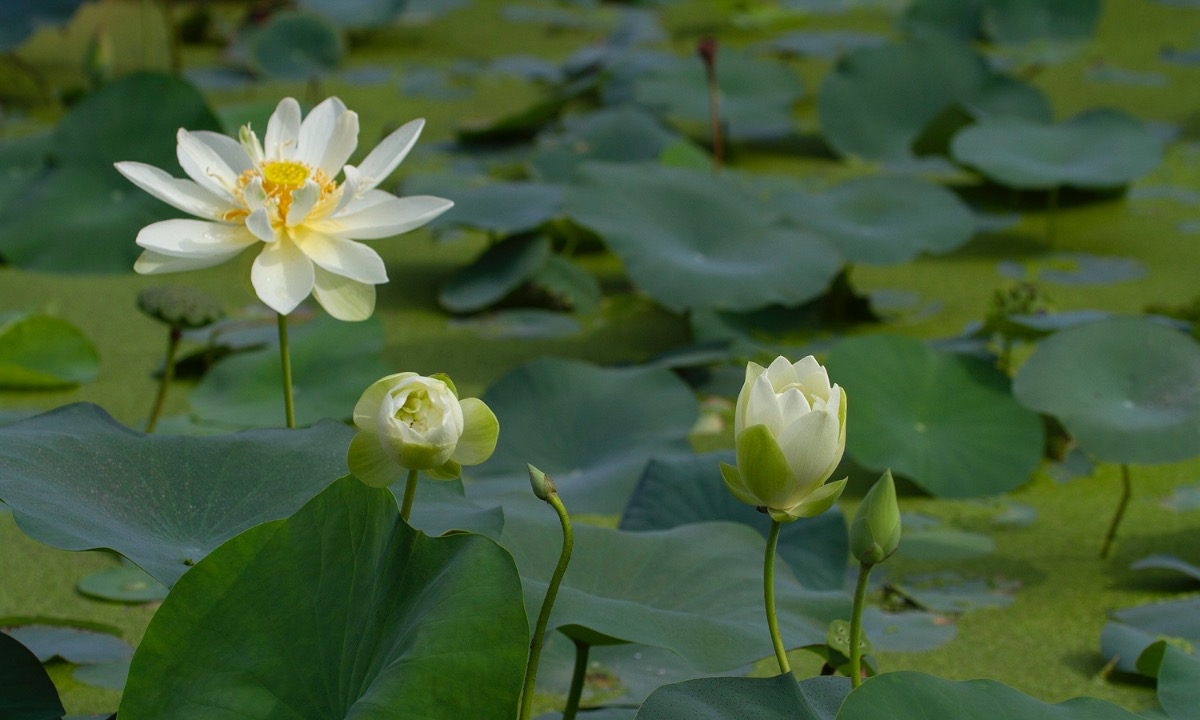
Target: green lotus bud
{"type": "Point", "coordinates": [408, 421]}
{"type": "Point", "coordinates": [543, 486]}
{"type": "Point", "coordinates": [789, 432]}
{"type": "Point", "coordinates": [178, 306]}
{"type": "Point", "coordinates": [875, 530]}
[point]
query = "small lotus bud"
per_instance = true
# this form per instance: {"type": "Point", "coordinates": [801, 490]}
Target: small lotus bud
{"type": "Point", "coordinates": [543, 485]}
{"type": "Point", "coordinates": [875, 530]}
{"type": "Point", "coordinates": [179, 306]}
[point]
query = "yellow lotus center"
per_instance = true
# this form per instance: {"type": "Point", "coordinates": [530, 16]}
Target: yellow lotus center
{"type": "Point", "coordinates": [282, 174]}
{"type": "Point", "coordinates": [415, 410]}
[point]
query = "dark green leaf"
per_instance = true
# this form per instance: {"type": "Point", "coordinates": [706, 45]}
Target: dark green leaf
{"type": "Point", "coordinates": [948, 422]}
{"type": "Point", "coordinates": [747, 699]}
{"type": "Point", "coordinates": [570, 284]}
{"type": "Point", "coordinates": [502, 268]}
{"type": "Point", "coordinates": [26, 692]}
{"type": "Point", "coordinates": [380, 620]}
{"type": "Point", "coordinates": [20, 18]}
{"type": "Point", "coordinates": [166, 501]}
{"type": "Point", "coordinates": [80, 646]}
{"type": "Point", "coordinates": [42, 352]}
{"type": "Point", "coordinates": [505, 208]}
{"type": "Point", "coordinates": [293, 46]}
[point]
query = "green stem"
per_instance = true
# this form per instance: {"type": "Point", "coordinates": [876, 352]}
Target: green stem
{"type": "Point", "coordinates": [285, 360]}
{"type": "Point", "coordinates": [577, 678]}
{"type": "Point", "coordinates": [769, 597]}
{"type": "Point", "coordinates": [1126, 492]}
{"type": "Point", "coordinates": [164, 382]}
{"type": "Point", "coordinates": [860, 598]}
{"type": "Point", "coordinates": [539, 630]}
{"type": "Point", "coordinates": [410, 492]}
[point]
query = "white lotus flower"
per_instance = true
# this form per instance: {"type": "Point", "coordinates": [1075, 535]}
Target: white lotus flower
{"type": "Point", "coordinates": [284, 193]}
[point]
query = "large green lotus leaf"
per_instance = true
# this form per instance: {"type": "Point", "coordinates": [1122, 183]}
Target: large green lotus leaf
{"type": "Point", "coordinates": [38, 351]}
{"type": "Point", "coordinates": [1127, 389]}
{"type": "Point", "coordinates": [917, 696]}
{"type": "Point", "coordinates": [755, 97]}
{"type": "Point", "coordinates": [295, 46]}
{"type": "Point", "coordinates": [1023, 21]}
{"type": "Point", "coordinates": [339, 611]}
{"type": "Point", "coordinates": [77, 214]}
{"type": "Point", "coordinates": [688, 489]}
{"type": "Point", "coordinates": [592, 429]}
{"type": "Point", "coordinates": [26, 692]}
{"type": "Point", "coordinates": [695, 589]}
{"type": "Point", "coordinates": [882, 220]}
{"type": "Point", "coordinates": [948, 422]}
{"type": "Point", "coordinates": [877, 101]}
{"type": "Point", "coordinates": [502, 268]}
{"type": "Point", "coordinates": [76, 479]}
{"type": "Point", "coordinates": [718, 698]}
{"type": "Point", "coordinates": [332, 363]}
{"type": "Point", "coordinates": [1094, 150]}
{"type": "Point", "coordinates": [694, 240]}
{"type": "Point", "coordinates": [20, 18]}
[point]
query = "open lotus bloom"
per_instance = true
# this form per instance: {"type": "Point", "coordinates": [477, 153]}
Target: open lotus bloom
{"type": "Point", "coordinates": [412, 422]}
{"type": "Point", "coordinates": [789, 432]}
{"type": "Point", "coordinates": [283, 196]}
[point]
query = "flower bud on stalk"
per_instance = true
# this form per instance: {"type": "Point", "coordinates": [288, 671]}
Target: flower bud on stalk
{"type": "Point", "coordinates": [875, 530]}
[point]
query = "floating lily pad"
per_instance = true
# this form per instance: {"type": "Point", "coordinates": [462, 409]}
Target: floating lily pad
{"type": "Point", "coordinates": [916, 696]}
{"type": "Point", "coordinates": [26, 691]}
{"type": "Point", "coordinates": [957, 19]}
{"type": "Point", "coordinates": [245, 389]}
{"type": "Point", "coordinates": [882, 220]}
{"type": "Point", "coordinates": [109, 675]}
{"type": "Point", "coordinates": [167, 501]}
{"type": "Point", "coordinates": [502, 268]}
{"type": "Point", "coordinates": [1074, 269]}
{"type": "Point", "coordinates": [78, 214]}
{"type": "Point", "coordinates": [943, 543]}
{"type": "Point", "coordinates": [1167, 562]}
{"type": "Point", "coordinates": [38, 352]}
{"type": "Point", "coordinates": [1094, 150]}
{"type": "Point", "coordinates": [782, 696]}
{"type": "Point", "coordinates": [756, 95]}
{"type": "Point", "coordinates": [1023, 21]}
{"type": "Point", "coordinates": [72, 644]}
{"type": "Point", "coordinates": [592, 429]}
{"type": "Point", "coordinates": [1178, 679]}
{"type": "Point", "coordinates": [949, 592]}
{"type": "Point", "coordinates": [692, 240]}
{"type": "Point", "coordinates": [947, 422]}
{"type": "Point", "coordinates": [295, 46]}
{"type": "Point", "coordinates": [389, 617]}
{"type": "Point", "coordinates": [670, 598]}
{"type": "Point", "coordinates": [688, 489]}
{"type": "Point", "coordinates": [1183, 499]}
{"type": "Point", "coordinates": [828, 44]}
{"type": "Point", "coordinates": [877, 101]}
{"type": "Point", "coordinates": [1127, 389]}
{"type": "Point", "coordinates": [910, 631]}
{"type": "Point", "coordinates": [123, 584]}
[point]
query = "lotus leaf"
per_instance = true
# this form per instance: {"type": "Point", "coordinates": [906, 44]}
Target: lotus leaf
{"type": "Point", "coordinates": [1094, 150]}
{"type": "Point", "coordinates": [947, 422]}
{"type": "Point", "coordinates": [26, 691]}
{"type": "Point", "coordinates": [166, 501]}
{"type": "Point", "coordinates": [41, 352]}
{"type": "Point", "coordinates": [719, 698]}
{"type": "Point", "coordinates": [501, 268]}
{"type": "Point", "coordinates": [294, 46]}
{"type": "Point", "coordinates": [381, 619]}
{"type": "Point", "coordinates": [692, 240]}
{"type": "Point", "coordinates": [1127, 389]}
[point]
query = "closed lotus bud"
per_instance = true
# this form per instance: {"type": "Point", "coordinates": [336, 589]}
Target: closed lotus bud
{"type": "Point", "coordinates": [789, 432]}
{"type": "Point", "coordinates": [875, 530]}
{"type": "Point", "coordinates": [411, 422]}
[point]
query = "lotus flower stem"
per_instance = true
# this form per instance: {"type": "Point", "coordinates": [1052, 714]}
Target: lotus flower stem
{"type": "Point", "coordinates": [410, 492]}
{"type": "Point", "coordinates": [285, 361]}
{"type": "Point", "coordinates": [860, 597]}
{"type": "Point", "coordinates": [545, 490]}
{"type": "Point", "coordinates": [168, 374]}
{"type": "Point", "coordinates": [769, 597]}
{"type": "Point", "coordinates": [1126, 491]}
{"type": "Point", "coordinates": [577, 678]}
{"type": "Point", "coordinates": [707, 49]}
